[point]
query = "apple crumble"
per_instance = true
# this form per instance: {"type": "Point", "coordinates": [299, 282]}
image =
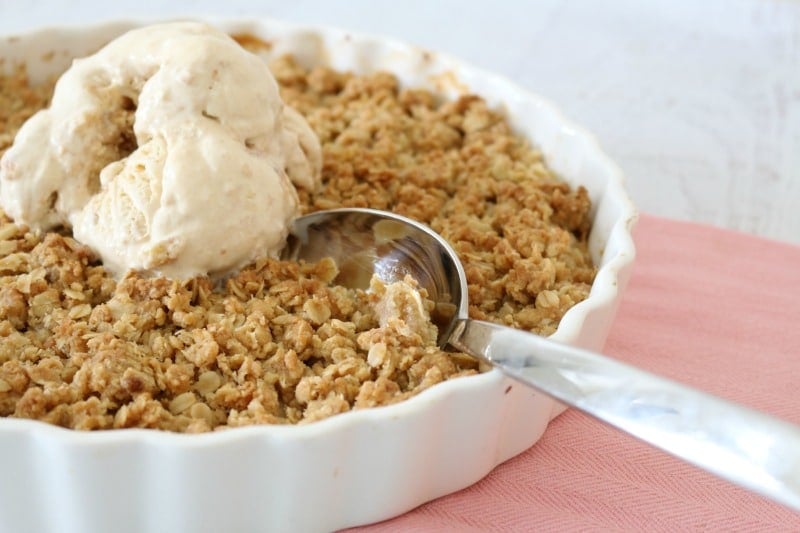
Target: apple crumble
{"type": "Point", "coordinates": [279, 342]}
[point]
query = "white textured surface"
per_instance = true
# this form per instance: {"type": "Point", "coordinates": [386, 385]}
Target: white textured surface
{"type": "Point", "coordinates": [699, 102]}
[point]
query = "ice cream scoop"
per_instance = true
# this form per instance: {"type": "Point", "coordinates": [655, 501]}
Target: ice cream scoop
{"type": "Point", "coordinates": [168, 151]}
{"type": "Point", "coordinates": [749, 448]}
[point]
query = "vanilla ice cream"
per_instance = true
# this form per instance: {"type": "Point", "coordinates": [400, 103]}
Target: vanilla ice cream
{"type": "Point", "coordinates": [168, 151]}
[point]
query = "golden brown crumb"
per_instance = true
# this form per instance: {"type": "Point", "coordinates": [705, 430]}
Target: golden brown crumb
{"type": "Point", "coordinates": [279, 343]}
{"type": "Point", "coordinates": [518, 228]}
{"type": "Point", "coordinates": [18, 101]}
{"type": "Point", "coordinates": [83, 352]}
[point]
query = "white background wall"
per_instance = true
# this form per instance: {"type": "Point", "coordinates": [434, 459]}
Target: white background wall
{"type": "Point", "coordinates": [699, 102]}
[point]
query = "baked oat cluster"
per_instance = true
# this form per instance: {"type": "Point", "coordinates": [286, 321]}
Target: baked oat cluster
{"type": "Point", "coordinates": [280, 342]}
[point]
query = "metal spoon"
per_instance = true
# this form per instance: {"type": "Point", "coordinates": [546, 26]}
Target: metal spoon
{"type": "Point", "coordinates": [749, 448]}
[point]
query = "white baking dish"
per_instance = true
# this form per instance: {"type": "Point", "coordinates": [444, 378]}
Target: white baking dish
{"type": "Point", "coordinates": [350, 469]}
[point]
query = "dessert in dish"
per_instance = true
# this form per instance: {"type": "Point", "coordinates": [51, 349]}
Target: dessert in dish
{"type": "Point", "coordinates": [434, 443]}
{"type": "Point", "coordinates": [276, 342]}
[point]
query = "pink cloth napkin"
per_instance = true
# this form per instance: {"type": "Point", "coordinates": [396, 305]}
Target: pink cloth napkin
{"type": "Point", "coordinates": [715, 309]}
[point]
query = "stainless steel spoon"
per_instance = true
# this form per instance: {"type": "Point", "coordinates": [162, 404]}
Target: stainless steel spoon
{"type": "Point", "coordinates": [744, 446]}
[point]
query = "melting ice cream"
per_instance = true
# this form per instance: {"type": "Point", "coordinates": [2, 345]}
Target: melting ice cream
{"type": "Point", "coordinates": [167, 151]}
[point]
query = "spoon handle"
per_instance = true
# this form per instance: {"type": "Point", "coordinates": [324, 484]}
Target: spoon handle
{"type": "Point", "coordinates": [749, 448]}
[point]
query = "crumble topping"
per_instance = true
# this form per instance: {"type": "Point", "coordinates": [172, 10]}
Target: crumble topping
{"type": "Point", "coordinates": [279, 342]}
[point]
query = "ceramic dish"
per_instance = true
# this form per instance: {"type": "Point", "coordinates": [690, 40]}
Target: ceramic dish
{"type": "Point", "coordinates": [355, 468]}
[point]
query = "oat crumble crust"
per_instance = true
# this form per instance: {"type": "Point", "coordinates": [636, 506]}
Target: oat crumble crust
{"type": "Point", "coordinates": [279, 343]}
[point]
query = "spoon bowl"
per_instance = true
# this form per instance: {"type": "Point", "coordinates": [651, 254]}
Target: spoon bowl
{"type": "Point", "coordinates": [367, 242]}
{"type": "Point", "coordinates": [746, 447]}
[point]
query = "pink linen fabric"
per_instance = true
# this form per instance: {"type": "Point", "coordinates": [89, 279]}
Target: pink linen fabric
{"type": "Point", "coordinates": [715, 309]}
